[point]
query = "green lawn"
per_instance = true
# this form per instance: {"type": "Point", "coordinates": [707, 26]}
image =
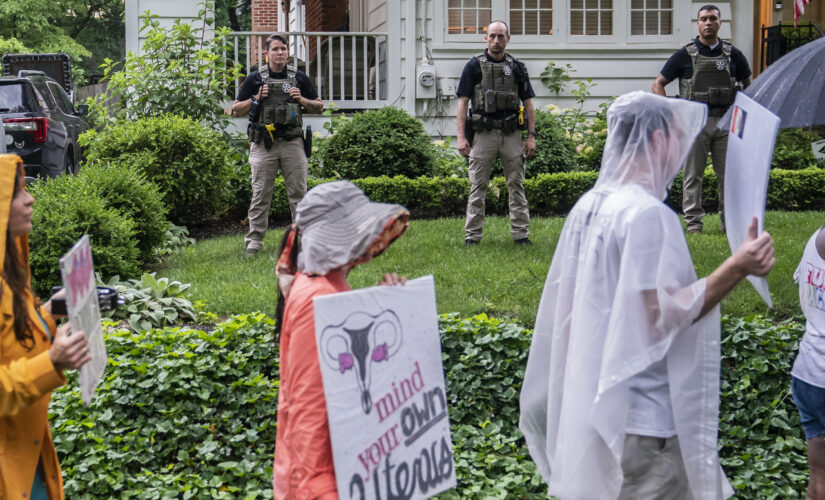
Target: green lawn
{"type": "Point", "coordinates": [495, 277]}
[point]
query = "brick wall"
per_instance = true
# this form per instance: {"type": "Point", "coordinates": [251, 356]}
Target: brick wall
{"type": "Point", "coordinates": [320, 15]}
{"type": "Point", "coordinates": [326, 15]}
{"type": "Point", "coordinates": [264, 18]}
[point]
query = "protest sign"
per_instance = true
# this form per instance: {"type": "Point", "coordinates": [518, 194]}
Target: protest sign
{"type": "Point", "coordinates": [747, 169]}
{"type": "Point", "coordinates": [386, 399]}
{"type": "Point", "coordinates": [78, 274]}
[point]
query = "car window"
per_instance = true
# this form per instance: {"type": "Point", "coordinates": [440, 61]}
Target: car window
{"type": "Point", "coordinates": [44, 97]}
{"type": "Point", "coordinates": [16, 97]}
{"type": "Point", "coordinates": [63, 101]}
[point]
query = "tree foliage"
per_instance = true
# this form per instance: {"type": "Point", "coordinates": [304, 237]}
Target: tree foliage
{"type": "Point", "coordinates": [181, 71]}
{"type": "Point", "coordinates": [87, 30]}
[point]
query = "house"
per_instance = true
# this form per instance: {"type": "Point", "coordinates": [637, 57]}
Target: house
{"type": "Point", "coordinates": [366, 54]}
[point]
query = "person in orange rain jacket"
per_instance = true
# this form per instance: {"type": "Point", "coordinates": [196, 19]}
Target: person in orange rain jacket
{"type": "Point", "coordinates": [339, 228]}
{"type": "Point", "coordinates": [33, 354]}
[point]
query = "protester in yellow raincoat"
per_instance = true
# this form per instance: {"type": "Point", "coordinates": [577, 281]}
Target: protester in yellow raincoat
{"type": "Point", "coordinates": [33, 354]}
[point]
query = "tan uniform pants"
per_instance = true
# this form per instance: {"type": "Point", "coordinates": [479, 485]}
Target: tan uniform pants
{"type": "Point", "coordinates": [487, 145]}
{"type": "Point", "coordinates": [286, 156]}
{"type": "Point", "coordinates": [715, 141]}
{"type": "Point", "coordinates": [653, 469]}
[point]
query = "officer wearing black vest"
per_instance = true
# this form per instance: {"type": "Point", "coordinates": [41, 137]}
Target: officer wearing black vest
{"type": "Point", "coordinates": [498, 87]}
{"type": "Point", "coordinates": [710, 70]}
{"type": "Point", "coordinates": [275, 98]}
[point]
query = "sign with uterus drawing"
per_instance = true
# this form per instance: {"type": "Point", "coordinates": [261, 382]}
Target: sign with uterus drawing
{"type": "Point", "coordinates": [384, 384]}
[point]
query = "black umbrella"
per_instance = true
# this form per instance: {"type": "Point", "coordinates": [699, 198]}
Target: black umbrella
{"type": "Point", "coordinates": [793, 87]}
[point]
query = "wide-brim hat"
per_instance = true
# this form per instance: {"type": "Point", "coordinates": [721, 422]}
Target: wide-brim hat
{"type": "Point", "coordinates": [339, 225]}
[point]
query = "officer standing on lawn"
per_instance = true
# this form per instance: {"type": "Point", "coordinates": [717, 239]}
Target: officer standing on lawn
{"type": "Point", "coordinates": [275, 98]}
{"type": "Point", "coordinates": [710, 71]}
{"type": "Point", "coordinates": [491, 86]}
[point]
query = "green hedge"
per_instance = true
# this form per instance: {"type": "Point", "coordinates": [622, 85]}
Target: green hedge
{"type": "Point", "coordinates": [65, 209]}
{"type": "Point", "coordinates": [192, 414]}
{"type": "Point", "coordinates": [377, 142]}
{"type": "Point", "coordinates": [189, 162]}
{"type": "Point", "coordinates": [553, 194]}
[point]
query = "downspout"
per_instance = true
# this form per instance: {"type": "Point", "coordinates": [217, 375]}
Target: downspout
{"type": "Point", "coordinates": [410, 59]}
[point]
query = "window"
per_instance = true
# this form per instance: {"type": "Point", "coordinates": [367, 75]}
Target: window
{"type": "Point", "coordinates": [651, 17]}
{"type": "Point", "coordinates": [591, 17]}
{"type": "Point", "coordinates": [531, 17]}
{"type": "Point", "coordinates": [468, 16]}
{"type": "Point", "coordinates": [62, 100]}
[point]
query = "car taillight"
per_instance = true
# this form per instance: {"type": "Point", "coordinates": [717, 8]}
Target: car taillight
{"type": "Point", "coordinates": [38, 127]}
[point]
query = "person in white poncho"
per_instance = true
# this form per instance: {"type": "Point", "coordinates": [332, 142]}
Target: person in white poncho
{"type": "Point", "coordinates": [621, 391]}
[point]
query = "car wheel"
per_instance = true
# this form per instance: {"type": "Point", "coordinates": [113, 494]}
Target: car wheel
{"type": "Point", "coordinates": [68, 165]}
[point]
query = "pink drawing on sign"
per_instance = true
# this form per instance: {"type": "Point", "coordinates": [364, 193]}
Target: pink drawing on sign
{"type": "Point", "coordinates": [381, 353]}
{"type": "Point", "coordinates": [345, 361]}
{"type": "Point", "coordinates": [80, 277]}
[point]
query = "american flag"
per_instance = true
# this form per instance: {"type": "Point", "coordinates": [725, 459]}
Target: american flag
{"type": "Point", "coordinates": [798, 9]}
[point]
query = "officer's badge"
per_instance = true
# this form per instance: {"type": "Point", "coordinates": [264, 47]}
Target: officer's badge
{"type": "Point", "coordinates": [507, 70]}
{"type": "Point", "coordinates": [720, 65]}
{"type": "Point", "coordinates": [285, 87]}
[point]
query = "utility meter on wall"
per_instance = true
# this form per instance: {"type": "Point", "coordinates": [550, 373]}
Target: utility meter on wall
{"type": "Point", "coordinates": [425, 88]}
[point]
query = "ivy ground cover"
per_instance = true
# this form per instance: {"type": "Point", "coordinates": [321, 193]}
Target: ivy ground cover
{"type": "Point", "coordinates": [495, 277]}
{"type": "Point", "coordinates": [192, 412]}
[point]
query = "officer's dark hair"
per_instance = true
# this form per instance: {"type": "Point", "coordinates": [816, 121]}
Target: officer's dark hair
{"type": "Point", "coordinates": [506, 26]}
{"type": "Point", "coordinates": [275, 36]}
{"type": "Point", "coordinates": [709, 7]}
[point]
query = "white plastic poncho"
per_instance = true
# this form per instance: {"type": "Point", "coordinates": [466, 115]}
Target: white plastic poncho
{"type": "Point", "coordinates": [622, 294]}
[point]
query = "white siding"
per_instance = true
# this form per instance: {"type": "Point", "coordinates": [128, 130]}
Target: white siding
{"type": "Point", "coordinates": [616, 65]}
{"type": "Point", "coordinates": [166, 11]}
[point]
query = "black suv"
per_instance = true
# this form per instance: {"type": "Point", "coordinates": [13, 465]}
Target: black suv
{"type": "Point", "coordinates": [41, 124]}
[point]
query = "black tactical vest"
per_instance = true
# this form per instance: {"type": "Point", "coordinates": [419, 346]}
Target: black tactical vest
{"type": "Point", "coordinates": [498, 91]}
{"type": "Point", "coordinates": [278, 108]}
{"type": "Point", "coordinates": [711, 82]}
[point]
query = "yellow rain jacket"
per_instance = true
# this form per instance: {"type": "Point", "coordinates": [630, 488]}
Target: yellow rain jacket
{"type": "Point", "coordinates": [27, 377]}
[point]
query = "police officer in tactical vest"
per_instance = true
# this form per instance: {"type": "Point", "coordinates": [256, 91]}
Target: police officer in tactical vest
{"type": "Point", "coordinates": [495, 103]}
{"type": "Point", "coordinates": [710, 70]}
{"type": "Point", "coordinates": [275, 98]}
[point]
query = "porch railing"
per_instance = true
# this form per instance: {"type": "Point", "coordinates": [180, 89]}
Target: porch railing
{"type": "Point", "coordinates": [348, 68]}
{"type": "Point", "coordinates": [780, 39]}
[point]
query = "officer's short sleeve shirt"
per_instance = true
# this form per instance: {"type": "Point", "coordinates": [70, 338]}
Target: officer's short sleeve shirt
{"type": "Point", "coordinates": [471, 76]}
{"type": "Point", "coordinates": [680, 64]}
{"type": "Point", "coordinates": [254, 81]}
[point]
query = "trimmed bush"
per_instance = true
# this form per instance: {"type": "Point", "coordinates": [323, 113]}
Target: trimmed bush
{"type": "Point", "coordinates": [126, 189]}
{"type": "Point", "coordinates": [793, 149]}
{"type": "Point", "coordinates": [65, 209]}
{"type": "Point", "coordinates": [552, 194]}
{"type": "Point", "coordinates": [387, 141]}
{"type": "Point", "coordinates": [552, 150]}
{"type": "Point", "coordinates": [188, 162]}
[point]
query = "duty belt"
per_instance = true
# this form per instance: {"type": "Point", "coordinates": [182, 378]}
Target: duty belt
{"type": "Point", "coordinates": [508, 124]}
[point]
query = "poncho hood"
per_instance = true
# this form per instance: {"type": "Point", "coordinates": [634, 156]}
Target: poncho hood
{"type": "Point", "coordinates": [648, 140]}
